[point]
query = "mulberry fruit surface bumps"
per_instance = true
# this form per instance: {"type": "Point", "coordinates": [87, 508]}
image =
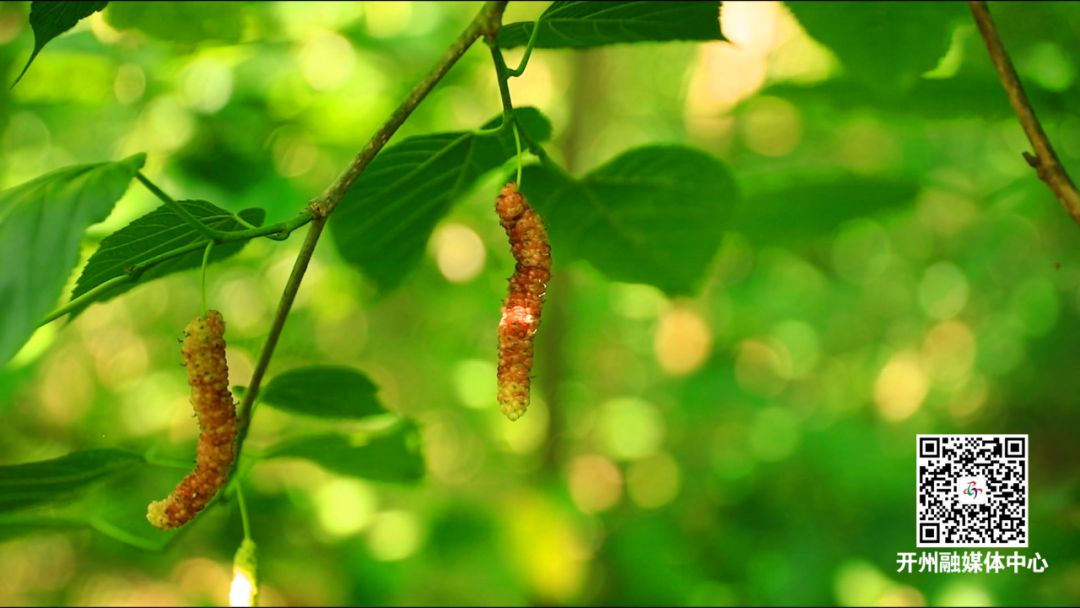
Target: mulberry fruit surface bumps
{"type": "Point", "coordinates": [208, 375]}
{"type": "Point", "coordinates": [525, 298]}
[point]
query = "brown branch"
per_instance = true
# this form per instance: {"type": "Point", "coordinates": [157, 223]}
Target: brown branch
{"type": "Point", "coordinates": [1045, 161]}
{"type": "Point", "coordinates": [486, 23]}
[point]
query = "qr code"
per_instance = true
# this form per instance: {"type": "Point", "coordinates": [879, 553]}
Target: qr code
{"type": "Point", "coordinates": [972, 491]}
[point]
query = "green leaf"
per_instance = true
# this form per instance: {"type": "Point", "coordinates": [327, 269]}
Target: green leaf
{"type": "Point", "coordinates": [886, 44]}
{"type": "Point", "coordinates": [60, 479]}
{"type": "Point", "coordinates": [153, 234]}
{"type": "Point", "coordinates": [15, 525]}
{"type": "Point", "coordinates": [41, 228]}
{"type": "Point", "coordinates": [384, 222]}
{"type": "Point", "coordinates": [50, 19]}
{"type": "Point", "coordinates": [393, 456]}
{"type": "Point", "coordinates": [651, 215]}
{"type": "Point", "coordinates": [324, 391]}
{"type": "Point", "coordinates": [581, 25]}
{"type": "Point", "coordinates": [810, 210]}
{"type": "Point", "coordinates": [180, 22]}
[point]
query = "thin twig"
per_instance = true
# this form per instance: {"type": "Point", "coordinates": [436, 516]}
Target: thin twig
{"type": "Point", "coordinates": [177, 208]}
{"type": "Point", "coordinates": [486, 23]}
{"type": "Point", "coordinates": [1045, 160]}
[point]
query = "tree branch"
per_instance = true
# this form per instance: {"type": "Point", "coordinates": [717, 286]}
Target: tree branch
{"type": "Point", "coordinates": [1045, 161]}
{"type": "Point", "coordinates": [486, 23]}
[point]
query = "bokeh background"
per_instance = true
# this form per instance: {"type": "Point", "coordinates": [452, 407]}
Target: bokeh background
{"type": "Point", "coordinates": [752, 445]}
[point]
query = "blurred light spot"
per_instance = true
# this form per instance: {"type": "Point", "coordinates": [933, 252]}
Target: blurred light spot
{"type": "Point", "coordinates": [474, 381]}
{"type": "Point", "coordinates": [861, 251]}
{"type": "Point", "coordinates": [453, 452]}
{"type": "Point", "coordinates": [630, 428]}
{"type": "Point", "coordinates": [130, 83]}
{"type": "Point", "coordinates": [345, 506]}
{"type": "Point", "coordinates": [801, 342]}
{"type": "Point", "coordinates": [865, 146]}
{"type": "Point", "coordinates": [759, 370]}
{"type": "Point", "coordinates": [969, 401]}
{"type": "Point", "coordinates": [946, 212]}
{"type": "Point", "coordinates": [527, 433]}
{"type": "Point", "coordinates": [798, 57]}
{"type": "Point", "coordinates": [1001, 344]}
{"type": "Point", "coordinates": [860, 584]}
{"type": "Point", "coordinates": [949, 352]}
{"type": "Point", "coordinates": [207, 85]}
{"type": "Point", "coordinates": [241, 591]}
{"type": "Point", "coordinates": [1047, 65]}
{"type": "Point", "coordinates": [248, 309]}
{"type": "Point", "coordinates": [595, 483]}
{"type": "Point", "coordinates": [26, 140]}
{"type": "Point", "coordinates": [102, 30]}
{"type": "Point", "coordinates": [11, 22]}
{"type": "Point", "coordinates": [394, 535]}
{"type": "Point", "coordinates": [548, 552]}
{"type": "Point", "coordinates": [459, 252]}
{"type": "Point", "coordinates": [964, 594]}
{"type": "Point", "coordinates": [682, 341]}
{"type": "Point", "coordinates": [653, 481]}
{"type": "Point", "coordinates": [138, 416]}
{"type": "Point", "coordinates": [197, 577]}
{"type": "Point", "coordinates": [750, 26]}
{"type": "Point", "coordinates": [167, 125]}
{"type": "Point", "coordinates": [294, 151]}
{"type": "Point", "coordinates": [943, 291]}
{"type": "Point", "coordinates": [327, 61]}
{"type": "Point", "coordinates": [639, 302]}
{"type": "Point", "coordinates": [1035, 304]}
{"type": "Point", "coordinates": [902, 596]}
{"type": "Point", "coordinates": [900, 388]}
{"type": "Point", "coordinates": [723, 76]}
{"type": "Point", "coordinates": [124, 363]}
{"type": "Point", "coordinates": [774, 434]}
{"type": "Point", "coordinates": [387, 19]}
{"type": "Point", "coordinates": [771, 126]}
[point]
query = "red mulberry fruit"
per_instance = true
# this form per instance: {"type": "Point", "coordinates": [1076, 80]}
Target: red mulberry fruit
{"type": "Point", "coordinates": [208, 375]}
{"type": "Point", "coordinates": [521, 310]}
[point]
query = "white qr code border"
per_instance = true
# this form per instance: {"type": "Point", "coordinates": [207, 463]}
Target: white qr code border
{"type": "Point", "coordinates": [928, 529]}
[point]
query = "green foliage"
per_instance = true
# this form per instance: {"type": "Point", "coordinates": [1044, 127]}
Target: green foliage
{"type": "Point", "coordinates": [807, 210]}
{"type": "Point", "coordinates": [50, 19]}
{"type": "Point", "coordinates": [324, 392]}
{"type": "Point", "coordinates": [41, 228]}
{"type": "Point", "coordinates": [390, 456]}
{"type": "Point", "coordinates": [201, 21]}
{"type": "Point", "coordinates": [651, 215]}
{"type": "Point", "coordinates": [158, 232]}
{"type": "Point", "coordinates": [384, 222]}
{"type": "Point", "coordinates": [885, 44]}
{"type": "Point", "coordinates": [60, 479]}
{"type": "Point", "coordinates": [581, 25]}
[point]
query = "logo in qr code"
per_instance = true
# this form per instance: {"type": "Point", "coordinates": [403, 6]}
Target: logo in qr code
{"type": "Point", "coordinates": [972, 491]}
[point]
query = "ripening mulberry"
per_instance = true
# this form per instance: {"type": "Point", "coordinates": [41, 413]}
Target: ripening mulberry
{"type": "Point", "coordinates": [208, 375]}
{"type": "Point", "coordinates": [521, 310]}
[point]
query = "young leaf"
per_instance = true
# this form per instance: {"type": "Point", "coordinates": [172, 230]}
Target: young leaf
{"type": "Point", "coordinates": [385, 220]}
{"type": "Point", "coordinates": [886, 44]}
{"type": "Point", "coordinates": [37, 483]}
{"type": "Point", "coordinates": [809, 210]}
{"type": "Point", "coordinates": [581, 25]}
{"type": "Point", "coordinates": [651, 215]}
{"type": "Point", "coordinates": [21, 524]}
{"type": "Point", "coordinates": [324, 391]}
{"type": "Point", "coordinates": [157, 232]}
{"type": "Point", "coordinates": [50, 19]}
{"type": "Point", "coordinates": [393, 456]}
{"type": "Point", "coordinates": [41, 228]}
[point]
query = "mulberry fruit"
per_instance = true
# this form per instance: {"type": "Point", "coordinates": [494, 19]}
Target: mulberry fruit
{"type": "Point", "coordinates": [525, 299]}
{"type": "Point", "coordinates": [208, 375]}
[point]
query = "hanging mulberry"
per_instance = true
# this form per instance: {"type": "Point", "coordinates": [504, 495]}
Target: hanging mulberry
{"type": "Point", "coordinates": [521, 310]}
{"type": "Point", "coordinates": [208, 375]}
